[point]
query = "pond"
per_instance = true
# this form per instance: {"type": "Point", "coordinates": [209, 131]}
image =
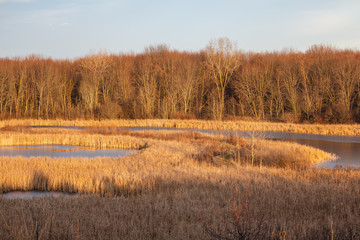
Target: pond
{"type": "Point", "coordinates": [59, 127]}
{"type": "Point", "coordinates": [35, 194]}
{"type": "Point", "coordinates": [61, 151]}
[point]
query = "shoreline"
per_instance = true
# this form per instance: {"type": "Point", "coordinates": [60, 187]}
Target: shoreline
{"type": "Point", "coordinates": [240, 125]}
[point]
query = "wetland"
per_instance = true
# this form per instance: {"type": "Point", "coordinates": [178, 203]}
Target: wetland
{"type": "Point", "coordinates": [172, 186]}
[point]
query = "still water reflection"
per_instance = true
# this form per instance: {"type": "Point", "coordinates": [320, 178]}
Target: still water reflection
{"type": "Point", "coordinates": [35, 194]}
{"type": "Point", "coordinates": [61, 151]}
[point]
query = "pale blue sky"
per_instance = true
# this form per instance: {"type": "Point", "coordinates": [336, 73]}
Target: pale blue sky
{"type": "Point", "coordinates": [68, 29]}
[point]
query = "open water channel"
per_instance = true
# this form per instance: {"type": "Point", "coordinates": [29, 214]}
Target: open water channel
{"type": "Point", "coordinates": [61, 151]}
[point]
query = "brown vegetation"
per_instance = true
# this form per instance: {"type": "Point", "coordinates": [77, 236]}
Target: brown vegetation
{"type": "Point", "coordinates": [96, 141]}
{"type": "Point", "coordinates": [319, 85]}
{"type": "Point", "coordinates": [304, 205]}
{"type": "Point", "coordinates": [258, 126]}
{"type": "Point", "coordinates": [181, 186]}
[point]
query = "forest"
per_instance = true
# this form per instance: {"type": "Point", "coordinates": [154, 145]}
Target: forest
{"type": "Point", "coordinates": [321, 85]}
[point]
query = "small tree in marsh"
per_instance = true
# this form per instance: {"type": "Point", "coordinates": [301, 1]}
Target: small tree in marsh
{"type": "Point", "coordinates": [222, 60]}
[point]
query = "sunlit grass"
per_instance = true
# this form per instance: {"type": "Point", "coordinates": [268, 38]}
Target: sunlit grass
{"type": "Point", "coordinates": [323, 129]}
{"type": "Point", "coordinates": [179, 186]}
{"type": "Point", "coordinates": [164, 154]}
{"type": "Point", "coordinates": [76, 139]}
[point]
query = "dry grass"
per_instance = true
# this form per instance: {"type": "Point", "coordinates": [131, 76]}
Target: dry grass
{"type": "Point", "coordinates": [285, 154]}
{"type": "Point", "coordinates": [181, 186]}
{"type": "Point", "coordinates": [323, 129]}
{"type": "Point", "coordinates": [76, 139]}
{"type": "Point", "coordinates": [304, 204]}
{"type": "Point", "coordinates": [139, 173]}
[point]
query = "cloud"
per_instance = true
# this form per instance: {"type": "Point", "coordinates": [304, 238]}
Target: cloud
{"type": "Point", "coordinates": [64, 24]}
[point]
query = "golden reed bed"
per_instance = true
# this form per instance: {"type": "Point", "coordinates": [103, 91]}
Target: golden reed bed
{"type": "Point", "coordinates": [113, 177]}
{"type": "Point", "coordinates": [323, 129]}
{"type": "Point", "coordinates": [179, 186]}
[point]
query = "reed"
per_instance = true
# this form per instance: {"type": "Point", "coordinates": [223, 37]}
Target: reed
{"type": "Point", "coordinates": [76, 139]}
{"type": "Point", "coordinates": [140, 172]}
{"type": "Point", "coordinates": [285, 154]}
{"type": "Point", "coordinates": [323, 129]}
{"type": "Point", "coordinates": [179, 186]}
{"type": "Point", "coordinates": [303, 204]}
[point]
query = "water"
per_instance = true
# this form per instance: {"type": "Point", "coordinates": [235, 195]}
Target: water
{"type": "Point", "coordinates": [264, 134]}
{"type": "Point", "coordinates": [61, 151]}
{"type": "Point", "coordinates": [35, 194]}
{"type": "Point", "coordinates": [348, 152]}
{"type": "Point", "coordinates": [59, 127]}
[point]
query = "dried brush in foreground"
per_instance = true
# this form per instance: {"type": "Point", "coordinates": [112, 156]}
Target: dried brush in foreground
{"type": "Point", "coordinates": [245, 223]}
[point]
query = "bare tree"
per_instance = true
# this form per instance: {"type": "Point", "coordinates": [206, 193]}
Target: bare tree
{"type": "Point", "coordinates": [123, 92]}
{"type": "Point", "coordinates": [202, 86]}
{"type": "Point", "coordinates": [44, 76]}
{"type": "Point", "coordinates": [253, 85]}
{"type": "Point", "coordinates": [290, 80]}
{"type": "Point", "coordinates": [277, 99]}
{"type": "Point", "coordinates": [93, 71]}
{"type": "Point", "coordinates": [222, 60]}
{"type": "Point", "coordinates": [146, 82]}
{"type": "Point", "coordinates": [347, 76]}
{"type": "Point", "coordinates": [315, 74]}
{"type": "Point", "coordinates": [66, 83]}
{"type": "Point", "coordinates": [167, 83]}
{"type": "Point", "coordinates": [5, 79]}
{"type": "Point", "coordinates": [18, 88]}
{"type": "Point", "coordinates": [187, 81]}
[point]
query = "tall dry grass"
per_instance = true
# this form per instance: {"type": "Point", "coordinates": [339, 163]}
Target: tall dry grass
{"type": "Point", "coordinates": [76, 139]}
{"type": "Point", "coordinates": [181, 186]}
{"type": "Point", "coordinates": [323, 129]}
{"type": "Point", "coordinates": [310, 204]}
{"type": "Point", "coordinates": [165, 155]}
{"type": "Point", "coordinates": [284, 154]}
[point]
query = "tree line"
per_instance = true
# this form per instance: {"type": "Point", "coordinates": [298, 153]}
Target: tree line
{"type": "Point", "coordinates": [321, 84]}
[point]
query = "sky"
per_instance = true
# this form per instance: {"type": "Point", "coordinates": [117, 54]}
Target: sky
{"type": "Point", "coordinates": [64, 29]}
